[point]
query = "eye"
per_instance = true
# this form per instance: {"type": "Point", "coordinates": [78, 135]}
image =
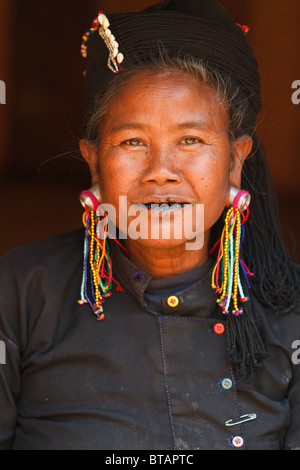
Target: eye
{"type": "Point", "coordinates": [133, 142]}
{"type": "Point", "coordinates": [191, 141]}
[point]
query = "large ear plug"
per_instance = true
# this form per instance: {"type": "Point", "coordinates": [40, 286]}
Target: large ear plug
{"type": "Point", "coordinates": [239, 198]}
{"type": "Point", "coordinates": [91, 198]}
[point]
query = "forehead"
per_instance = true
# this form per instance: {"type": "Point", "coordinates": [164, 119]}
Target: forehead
{"type": "Point", "coordinates": [165, 98]}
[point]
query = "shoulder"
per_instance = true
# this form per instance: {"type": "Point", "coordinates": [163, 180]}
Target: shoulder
{"type": "Point", "coordinates": [277, 307]}
{"type": "Point", "coordinates": [37, 281]}
{"type": "Point", "coordinates": [280, 327]}
{"type": "Point", "coordinates": [52, 250]}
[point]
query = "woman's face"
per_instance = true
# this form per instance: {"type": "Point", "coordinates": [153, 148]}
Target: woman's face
{"type": "Point", "coordinates": [164, 139]}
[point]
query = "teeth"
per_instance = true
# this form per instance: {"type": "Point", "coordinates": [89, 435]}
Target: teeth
{"type": "Point", "coordinates": [164, 206]}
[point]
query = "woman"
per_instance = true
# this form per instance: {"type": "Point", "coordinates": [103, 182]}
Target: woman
{"type": "Point", "coordinates": [173, 93]}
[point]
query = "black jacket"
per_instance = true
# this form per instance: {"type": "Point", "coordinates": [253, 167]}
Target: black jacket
{"type": "Point", "coordinates": [150, 376]}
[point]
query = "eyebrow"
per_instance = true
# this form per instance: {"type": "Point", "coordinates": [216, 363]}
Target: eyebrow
{"type": "Point", "coordinates": [194, 125]}
{"type": "Point", "coordinates": [184, 125]}
{"type": "Point", "coordinates": [128, 125]}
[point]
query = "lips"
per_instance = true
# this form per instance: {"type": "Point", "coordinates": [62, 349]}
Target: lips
{"type": "Point", "coordinates": [169, 200]}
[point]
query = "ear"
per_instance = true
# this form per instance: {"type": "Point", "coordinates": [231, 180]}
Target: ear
{"type": "Point", "coordinates": [241, 148]}
{"type": "Point", "coordinates": [90, 155]}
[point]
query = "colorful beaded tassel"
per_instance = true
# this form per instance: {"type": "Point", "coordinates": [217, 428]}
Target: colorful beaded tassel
{"type": "Point", "coordinates": [97, 268]}
{"type": "Point", "coordinates": [226, 274]}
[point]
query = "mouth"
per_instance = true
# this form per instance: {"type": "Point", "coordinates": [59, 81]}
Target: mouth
{"type": "Point", "coordinates": [163, 206]}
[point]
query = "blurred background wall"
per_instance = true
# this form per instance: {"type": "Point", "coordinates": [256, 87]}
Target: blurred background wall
{"type": "Point", "coordinates": [41, 173]}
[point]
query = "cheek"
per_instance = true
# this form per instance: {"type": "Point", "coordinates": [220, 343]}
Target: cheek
{"type": "Point", "coordinates": [213, 189]}
{"type": "Point", "coordinates": [115, 177]}
{"type": "Point", "coordinates": [212, 169]}
{"type": "Point", "coordinates": [214, 204]}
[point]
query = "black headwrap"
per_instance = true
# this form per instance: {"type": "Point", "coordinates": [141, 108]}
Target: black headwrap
{"type": "Point", "coordinates": [200, 28]}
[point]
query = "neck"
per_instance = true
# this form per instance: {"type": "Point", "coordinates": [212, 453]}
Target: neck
{"type": "Point", "coordinates": [161, 262]}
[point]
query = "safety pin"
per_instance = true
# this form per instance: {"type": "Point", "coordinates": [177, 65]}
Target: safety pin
{"type": "Point", "coordinates": [243, 419]}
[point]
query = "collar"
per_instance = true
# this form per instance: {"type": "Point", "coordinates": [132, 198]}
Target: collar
{"type": "Point", "coordinates": [185, 294]}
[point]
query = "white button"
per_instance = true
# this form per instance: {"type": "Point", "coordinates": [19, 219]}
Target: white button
{"type": "Point", "coordinates": [237, 441]}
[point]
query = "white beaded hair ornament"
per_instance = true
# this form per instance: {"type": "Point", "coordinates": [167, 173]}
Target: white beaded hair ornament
{"type": "Point", "coordinates": [115, 57]}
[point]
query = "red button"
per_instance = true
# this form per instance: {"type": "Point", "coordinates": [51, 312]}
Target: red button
{"type": "Point", "coordinates": [219, 328]}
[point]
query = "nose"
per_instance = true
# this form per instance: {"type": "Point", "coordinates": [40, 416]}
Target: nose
{"type": "Point", "coordinates": [161, 168]}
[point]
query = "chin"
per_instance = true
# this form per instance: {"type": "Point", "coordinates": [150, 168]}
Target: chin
{"type": "Point", "coordinates": [197, 243]}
